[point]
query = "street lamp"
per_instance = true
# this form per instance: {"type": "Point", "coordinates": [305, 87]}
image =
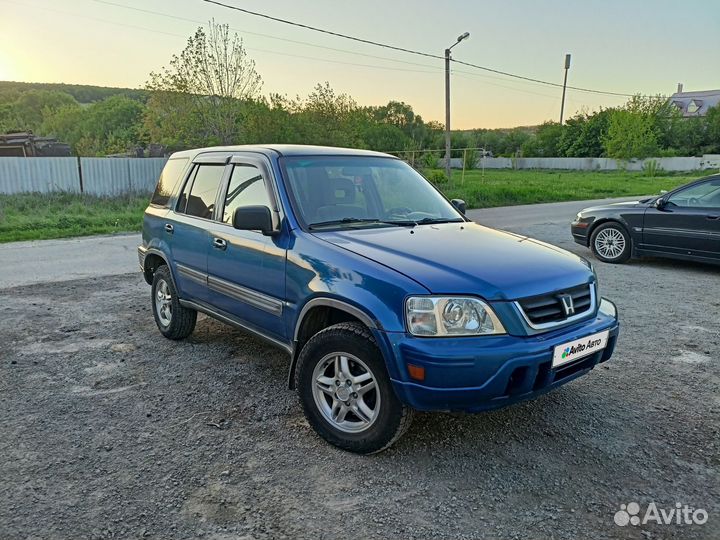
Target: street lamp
{"type": "Point", "coordinates": [447, 102]}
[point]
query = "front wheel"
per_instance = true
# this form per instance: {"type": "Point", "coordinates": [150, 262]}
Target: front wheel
{"type": "Point", "coordinates": [173, 320]}
{"type": "Point", "coordinates": [346, 392]}
{"type": "Point", "coordinates": [610, 243]}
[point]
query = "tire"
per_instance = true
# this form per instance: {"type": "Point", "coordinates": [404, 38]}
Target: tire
{"type": "Point", "coordinates": [375, 417]}
{"type": "Point", "coordinates": [173, 320]}
{"type": "Point", "coordinates": [611, 243]}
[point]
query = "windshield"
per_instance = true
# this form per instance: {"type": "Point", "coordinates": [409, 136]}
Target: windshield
{"type": "Point", "coordinates": [363, 191]}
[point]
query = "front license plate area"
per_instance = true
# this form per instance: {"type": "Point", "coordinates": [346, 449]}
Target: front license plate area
{"type": "Point", "coordinates": [579, 348]}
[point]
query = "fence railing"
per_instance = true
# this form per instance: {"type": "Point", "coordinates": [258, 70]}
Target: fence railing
{"type": "Point", "coordinates": [94, 176]}
{"type": "Point", "coordinates": [118, 176]}
{"type": "Point", "coordinates": [419, 158]}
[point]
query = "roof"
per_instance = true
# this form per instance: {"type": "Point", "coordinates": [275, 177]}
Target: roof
{"type": "Point", "coordinates": [695, 103]}
{"type": "Point", "coordinates": [283, 150]}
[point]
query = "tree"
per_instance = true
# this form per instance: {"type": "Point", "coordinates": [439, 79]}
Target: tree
{"type": "Point", "coordinates": [640, 128]}
{"type": "Point", "coordinates": [197, 99]}
{"type": "Point", "coordinates": [27, 111]}
{"type": "Point", "coordinates": [107, 127]}
{"type": "Point", "coordinates": [712, 127]}
{"type": "Point", "coordinates": [630, 135]}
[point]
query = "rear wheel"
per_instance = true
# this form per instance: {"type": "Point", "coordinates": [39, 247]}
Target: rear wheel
{"type": "Point", "coordinates": [173, 320]}
{"type": "Point", "coordinates": [346, 392]}
{"type": "Point", "coordinates": [610, 243]}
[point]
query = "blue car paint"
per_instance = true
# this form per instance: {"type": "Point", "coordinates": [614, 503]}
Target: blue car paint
{"type": "Point", "coordinates": [374, 270]}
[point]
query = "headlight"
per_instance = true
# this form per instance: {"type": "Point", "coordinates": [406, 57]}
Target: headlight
{"type": "Point", "coordinates": [608, 308]}
{"type": "Point", "coordinates": [450, 316]}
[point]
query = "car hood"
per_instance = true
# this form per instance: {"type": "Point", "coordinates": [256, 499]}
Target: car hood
{"type": "Point", "coordinates": [467, 258]}
{"type": "Point", "coordinates": [620, 205]}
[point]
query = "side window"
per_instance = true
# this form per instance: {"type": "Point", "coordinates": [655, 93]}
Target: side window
{"type": "Point", "coordinates": [201, 197]}
{"type": "Point", "coordinates": [247, 188]}
{"type": "Point", "coordinates": [169, 177]}
{"type": "Point", "coordinates": [704, 195]}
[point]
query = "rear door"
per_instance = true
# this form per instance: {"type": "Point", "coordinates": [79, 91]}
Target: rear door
{"type": "Point", "coordinates": [688, 223]}
{"type": "Point", "coordinates": [188, 227]}
{"type": "Point", "coordinates": [246, 270]}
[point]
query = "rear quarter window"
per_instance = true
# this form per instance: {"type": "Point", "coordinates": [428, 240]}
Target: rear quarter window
{"type": "Point", "coordinates": [169, 178]}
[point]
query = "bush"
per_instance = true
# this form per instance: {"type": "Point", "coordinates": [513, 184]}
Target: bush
{"type": "Point", "coordinates": [652, 168]}
{"type": "Point", "coordinates": [430, 160]}
{"type": "Point", "coordinates": [471, 157]}
{"type": "Point", "coordinates": [436, 176]}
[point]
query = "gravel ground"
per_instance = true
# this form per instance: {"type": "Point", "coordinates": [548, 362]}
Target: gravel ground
{"type": "Point", "coordinates": [110, 431]}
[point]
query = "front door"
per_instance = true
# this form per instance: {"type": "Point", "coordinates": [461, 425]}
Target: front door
{"type": "Point", "coordinates": [246, 270]}
{"type": "Point", "coordinates": [688, 223]}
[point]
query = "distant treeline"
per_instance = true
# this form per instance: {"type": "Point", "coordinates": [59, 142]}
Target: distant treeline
{"type": "Point", "coordinates": [82, 93]}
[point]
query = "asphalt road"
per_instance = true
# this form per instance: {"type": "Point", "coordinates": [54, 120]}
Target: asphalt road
{"type": "Point", "coordinates": [25, 263]}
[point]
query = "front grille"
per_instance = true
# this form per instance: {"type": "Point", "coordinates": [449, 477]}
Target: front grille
{"type": "Point", "coordinates": [547, 309]}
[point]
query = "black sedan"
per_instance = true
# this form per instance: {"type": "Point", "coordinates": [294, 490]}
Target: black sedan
{"type": "Point", "coordinates": [682, 224]}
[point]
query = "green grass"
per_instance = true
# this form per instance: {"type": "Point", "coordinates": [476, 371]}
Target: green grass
{"type": "Point", "coordinates": [509, 187]}
{"type": "Point", "coordinates": [34, 216]}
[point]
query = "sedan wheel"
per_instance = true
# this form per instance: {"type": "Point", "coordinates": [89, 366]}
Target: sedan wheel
{"type": "Point", "coordinates": [610, 243]}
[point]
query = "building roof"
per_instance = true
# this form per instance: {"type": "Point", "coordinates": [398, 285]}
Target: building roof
{"type": "Point", "coordinates": [695, 103]}
{"type": "Point", "coordinates": [284, 150]}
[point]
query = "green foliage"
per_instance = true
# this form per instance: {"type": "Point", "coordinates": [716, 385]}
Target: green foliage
{"type": "Point", "coordinates": [82, 93]}
{"type": "Point", "coordinates": [470, 158]}
{"type": "Point", "coordinates": [34, 216]}
{"type": "Point", "coordinates": [199, 98]}
{"type": "Point", "coordinates": [436, 176]}
{"type": "Point", "coordinates": [430, 160]}
{"type": "Point", "coordinates": [631, 134]}
{"type": "Point", "coordinates": [652, 168]}
{"type": "Point", "coordinates": [505, 187]}
{"type": "Point", "coordinates": [110, 126]}
{"type": "Point", "coordinates": [28, 110]}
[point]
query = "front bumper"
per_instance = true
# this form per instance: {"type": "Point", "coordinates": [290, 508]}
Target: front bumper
{"type": "Point", "coordinates": [482, 373]}
{"type": "Point", "coordinates": [579, 231]}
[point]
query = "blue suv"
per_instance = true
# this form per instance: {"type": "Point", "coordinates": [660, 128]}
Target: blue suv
{"type": "Point", "coordinates": [386, 298]}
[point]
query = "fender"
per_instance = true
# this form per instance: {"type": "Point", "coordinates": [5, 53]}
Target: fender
{"type": "Point", "coordinates": [356, 312]}
{"type": "Point", "coordinates": [143, 252]}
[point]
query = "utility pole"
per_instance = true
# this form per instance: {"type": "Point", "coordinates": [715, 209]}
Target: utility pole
{"type": "Point", "coordinates": [562, 104]}
{"type": "Point", "coordinates": [447, 102]}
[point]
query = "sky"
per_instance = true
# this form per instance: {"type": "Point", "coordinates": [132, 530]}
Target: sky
{"type": "Point", "coordinates": [624, 46]}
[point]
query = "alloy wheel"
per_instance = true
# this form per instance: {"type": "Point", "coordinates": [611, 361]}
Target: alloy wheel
{"type": "Point", "coordinates": [346, 392]}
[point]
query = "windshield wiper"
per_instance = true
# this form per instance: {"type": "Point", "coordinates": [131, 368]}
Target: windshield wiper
{"type": "Point", "coordinates": [352, 221]}
{"type": "Point", "coordinates": [426, 221]}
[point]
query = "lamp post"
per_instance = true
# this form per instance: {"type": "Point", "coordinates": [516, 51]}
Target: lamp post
{"type": "Point", "coordinates": [447, 102]}
{"type": "Point", "coordinates": [562, 103]}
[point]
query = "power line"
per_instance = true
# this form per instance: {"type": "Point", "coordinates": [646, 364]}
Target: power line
{"type": "Point", "coordinates": [410, 51]}
{"type": "Point", "coordinates": [504, 74]}
{"type": "Point", "coordinates": [539, 81]}
{"type": "Point", "coordinates": [248, 32]}
{"type": "Point", "coordinates": [321, 30]}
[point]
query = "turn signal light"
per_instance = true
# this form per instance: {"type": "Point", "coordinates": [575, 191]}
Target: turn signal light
{"type": "Point", "coordinates": [416, 372]}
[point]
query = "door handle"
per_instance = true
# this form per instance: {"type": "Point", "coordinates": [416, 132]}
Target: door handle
{"type": "Point", "coordinates": [219, 243]}
{"type": "Point", "coordinates": [169, 228]}
{"type": "Point", "coordinates": [712, 216]}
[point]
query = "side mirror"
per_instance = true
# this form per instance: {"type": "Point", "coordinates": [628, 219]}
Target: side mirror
{"type": "Point", "coordinates": [660, 202]}
{"type": "Point", "coordinates": [254, 218]}
{"type": "Point", "coordinates": [460, 205]}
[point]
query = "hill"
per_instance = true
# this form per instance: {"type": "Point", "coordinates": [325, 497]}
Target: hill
{"type": "Point", "coordinates": [81, 92]}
